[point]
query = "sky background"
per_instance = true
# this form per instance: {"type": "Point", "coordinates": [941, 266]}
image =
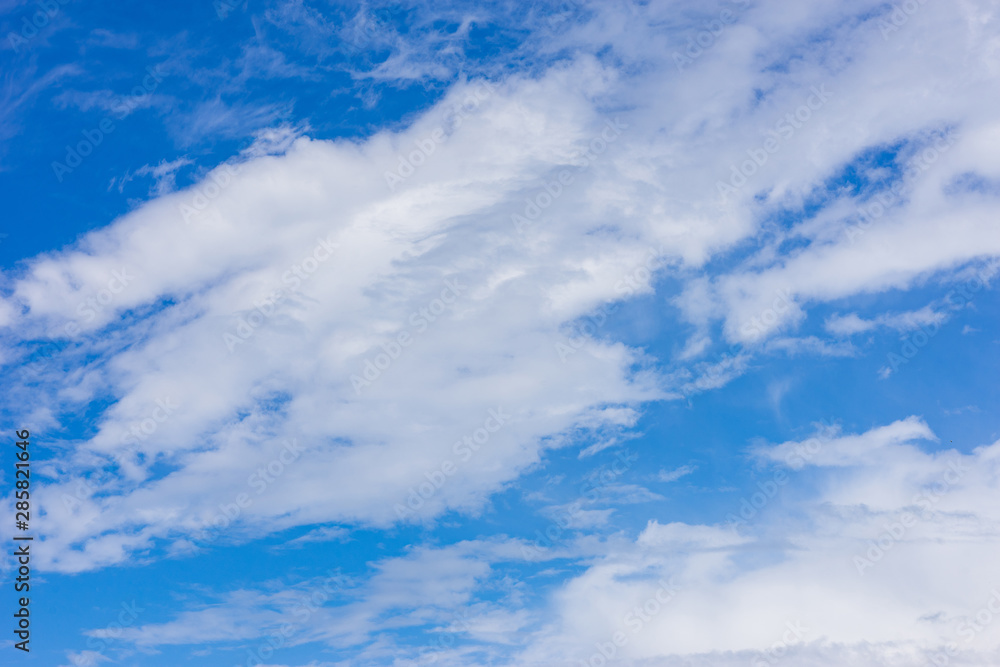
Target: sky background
{"type": "Point", "coordinates": [507, 333]}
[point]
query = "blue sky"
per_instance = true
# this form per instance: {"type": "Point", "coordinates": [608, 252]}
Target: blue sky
{"type": "Point", "coordinates": [580, 333]}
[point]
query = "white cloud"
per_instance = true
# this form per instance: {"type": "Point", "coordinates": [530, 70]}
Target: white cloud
{"type": "Point", "coordinates": [675, 474]}
{"type": "Point", "coordinates": [852, 323]}
{"type": "Point", "coordinates": [327, 534]}
{"type": "Point", "coordinates": [426, 586]}
{"type": "Point", "coordinates": [731, 607]}
{"type": "Point", "coordinates": [848, 325]}
{"type": "Point", "coordinates": [833, 564]}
